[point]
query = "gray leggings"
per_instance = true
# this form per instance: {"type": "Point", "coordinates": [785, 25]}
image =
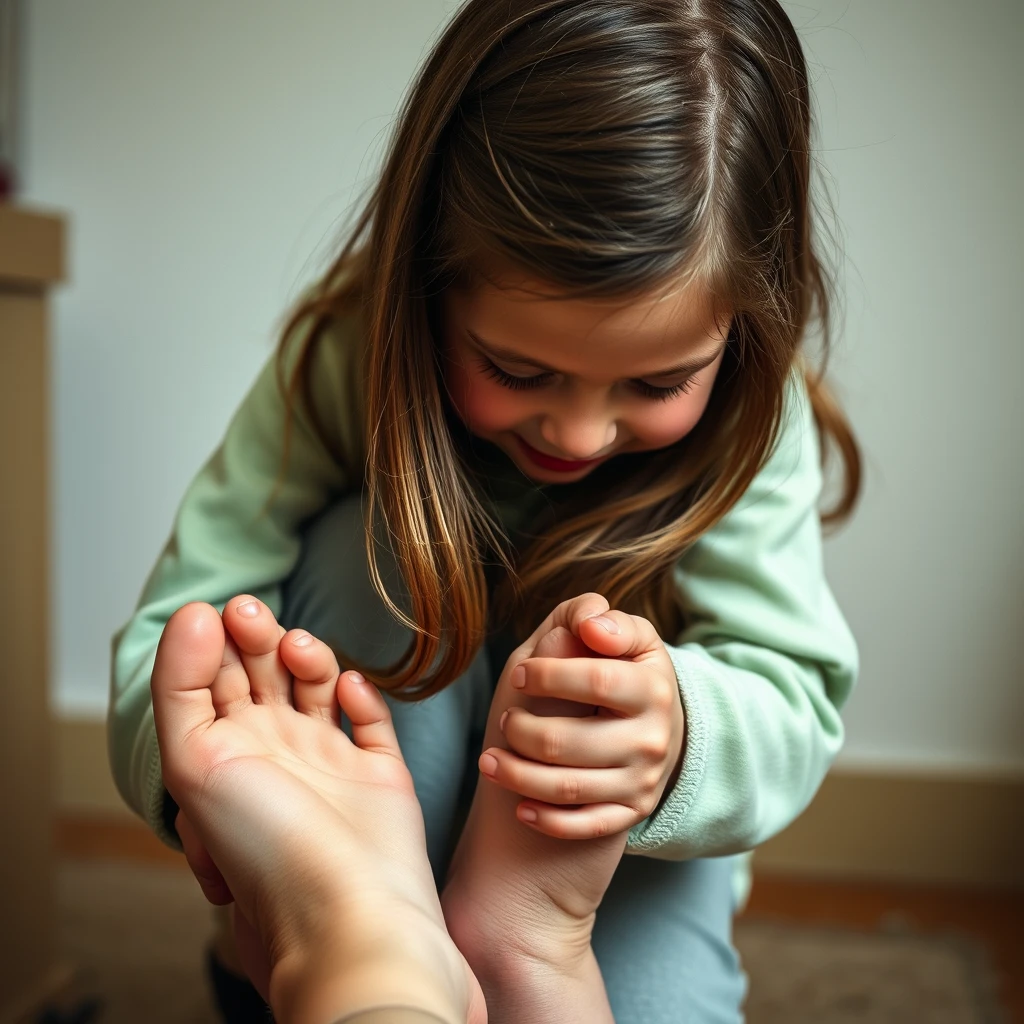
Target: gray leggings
{"type": "Point", "coordinates": [663, 933]}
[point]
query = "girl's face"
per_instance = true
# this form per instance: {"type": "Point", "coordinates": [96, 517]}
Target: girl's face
{"type": "Point", "coordinates": [564, 384]}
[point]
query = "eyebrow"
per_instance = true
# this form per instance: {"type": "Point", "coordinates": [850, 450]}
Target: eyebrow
{"type": "Point", "coordinates": [689, 367]}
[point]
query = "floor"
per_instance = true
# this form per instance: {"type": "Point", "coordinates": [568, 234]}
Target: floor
{"type": "Point", "coordinates": [995, 920]}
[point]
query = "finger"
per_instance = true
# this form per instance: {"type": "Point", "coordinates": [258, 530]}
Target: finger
{"type": "Point", "coordinates": [188, 661]}
{"type": "Point", "coordinates": [618, 635]}
{"type": "Point", "coordinates": [559, 642]}
{"type": "Point", "coordinates": [256, 631]}
{"type": "Point", "coordinates": [372, 728]}
{"type": "Point", "coordinates": [606, 682]}
{"type": "Point", "coordinates": [208, 875]}
{"type": "Point", "coordinates": [593, 742]}
{"type": "Point", "coordinates": [314, 670]}
{"type": "Point", "coordinates": [568, 612]}
{"type": "Point", "coordinates": [590, 822]}
{"type": "Point", "coordinates": [556, 785]}
{"type": "Point", "coordinates": [556, 643]}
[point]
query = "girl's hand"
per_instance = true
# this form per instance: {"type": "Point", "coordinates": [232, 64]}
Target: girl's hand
{"type": "Point", "coordinates": [601, 774]}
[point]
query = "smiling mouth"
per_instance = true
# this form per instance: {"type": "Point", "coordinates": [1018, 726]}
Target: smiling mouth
{"type": "Point", "coordinates": [551, 463]}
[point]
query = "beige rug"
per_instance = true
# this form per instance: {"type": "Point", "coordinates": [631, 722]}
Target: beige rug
{"type": "Point", "coordinates": [137, 933]}
{"type": "Point", "coordinates": [803, 975]}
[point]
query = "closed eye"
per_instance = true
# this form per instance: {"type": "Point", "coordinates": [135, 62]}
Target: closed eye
{"type": "Point", "coordinates": [514, 383]}
{"type": "Point", "coordinates": [509, 380]}
{"type": "Point", "coordinates": [662, 394]}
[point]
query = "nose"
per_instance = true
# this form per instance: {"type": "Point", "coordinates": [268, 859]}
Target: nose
{"type": "Point", "coordinates": [578, 434]}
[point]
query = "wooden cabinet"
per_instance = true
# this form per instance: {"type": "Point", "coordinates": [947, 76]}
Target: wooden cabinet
{"type": "Point", "coordinates": [31, 262]}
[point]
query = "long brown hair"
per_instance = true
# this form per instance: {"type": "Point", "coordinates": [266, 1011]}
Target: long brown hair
{"type": "Point", "coordinates": [607, 147]}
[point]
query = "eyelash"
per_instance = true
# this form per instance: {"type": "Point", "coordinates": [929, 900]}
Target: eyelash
{"type": "Point", "coordinates": [527, 383]}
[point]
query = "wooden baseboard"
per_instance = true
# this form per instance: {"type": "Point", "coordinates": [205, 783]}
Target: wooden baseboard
{"type": "Point", "coordinates": [920, 828]}
{"type": "Point", "coordinates": [862, 825]}
{"type": "Point", "coordinates": [81, 772]}
{"type": "Point", "coordinates": [102, 838]}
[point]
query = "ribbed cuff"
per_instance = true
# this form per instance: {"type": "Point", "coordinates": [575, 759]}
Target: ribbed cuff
{"type": "Point", "coordinates": [158, 809]}
{"type": "Point", "coordinates": [662, 834]}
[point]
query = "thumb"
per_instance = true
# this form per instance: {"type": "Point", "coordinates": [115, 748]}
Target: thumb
{"type": "Point", "coordinates": [618, 635]}
{"type": "Point", "coordinates": [568, 615]}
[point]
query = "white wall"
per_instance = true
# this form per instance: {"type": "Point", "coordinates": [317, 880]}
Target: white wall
{"type": "Point", "coordinates": [206, 151]}
{"type": "Point", "coordinates": [920, 107]}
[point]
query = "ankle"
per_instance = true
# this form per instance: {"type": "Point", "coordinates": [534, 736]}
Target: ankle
{"type": "Point", "coordinates": [525, 989]}
{"type": "Point", "coordinates": [499, 945]}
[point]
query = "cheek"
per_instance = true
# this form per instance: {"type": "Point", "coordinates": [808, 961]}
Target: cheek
{"type": "Point", "coordinates": [481, 403]}
{"type": "Point", "coordinates": [662, 424]}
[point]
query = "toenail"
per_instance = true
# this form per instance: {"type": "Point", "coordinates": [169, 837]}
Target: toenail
{"type": "Point", "coordinates": [488, 764]}
{"type": "Point", "coordinates": [501, 724]}
{"type": "Point", "coordinates": [302, 640]}
{"type": "Point", "coordinates": [519, 677]}
{"type": "Point", "coordinates": [250, 609]}
{"type": "Point", "coordinates": [527, 814]}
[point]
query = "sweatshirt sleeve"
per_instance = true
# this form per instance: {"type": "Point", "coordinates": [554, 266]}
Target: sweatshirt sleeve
{"type": "Point", "coordinates": [238, 530]}
{"type": "Point", "coordinates": [764, 665]}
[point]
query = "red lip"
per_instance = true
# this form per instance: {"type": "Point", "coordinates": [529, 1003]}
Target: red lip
{"type": "Point", "coordinates": [550, 462]}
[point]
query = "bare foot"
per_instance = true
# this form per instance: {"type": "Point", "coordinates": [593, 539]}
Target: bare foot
{"type": "Point", "coordinates": [308, 830]}
{"type": "Point", "coordinates": [521, 904]}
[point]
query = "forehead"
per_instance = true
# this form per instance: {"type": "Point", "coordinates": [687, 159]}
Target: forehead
{"type": "Point", "coordinates": [590, 336]}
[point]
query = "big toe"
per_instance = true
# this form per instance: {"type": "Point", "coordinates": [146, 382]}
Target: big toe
{"type": "Point", "coordinates": [188, 661]}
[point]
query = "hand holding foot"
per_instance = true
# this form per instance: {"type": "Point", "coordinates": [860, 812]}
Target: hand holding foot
{"type": "Point", "coordinates": [319, 839]}
{"type": "Point", "coordinates": [606, 772]}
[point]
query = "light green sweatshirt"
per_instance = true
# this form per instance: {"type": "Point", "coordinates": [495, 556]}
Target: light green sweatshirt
{"type": "Point", "coordinates": [764, 664]}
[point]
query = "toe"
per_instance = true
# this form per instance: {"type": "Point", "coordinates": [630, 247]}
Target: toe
{"type": "Point", "coordinates": [372, 725]}
{"type": "Point", "coordinates": [315, 671]}
{"type": "Point", "coordinates": [251, 624]}
{"type": "Point", "coordinates": [230, 688]}
{"type": "Point", "coordinates": [187, 664]}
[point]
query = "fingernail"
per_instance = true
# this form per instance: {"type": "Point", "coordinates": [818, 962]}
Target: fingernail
{"type": "Point", "coordinates": [303, 640]}
{"type": "Point", "coordinates": [527, 814]}
{"type": "Point", "coordinates": [250, 609]}
{"type": "Point", "coordinates": [356, 677]}
{"type": "Point", "coordinates": [608, 625]}
{"type": "Point", "coordinates": [488, 764]}
{"type": "Point", "coordinates": [519, 677]}
{"type": "Point", "coordinates": [501, 724]}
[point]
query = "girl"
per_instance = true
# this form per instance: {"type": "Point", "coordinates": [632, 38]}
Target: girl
{"type": "Point", "coordinates": [561, 353]}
